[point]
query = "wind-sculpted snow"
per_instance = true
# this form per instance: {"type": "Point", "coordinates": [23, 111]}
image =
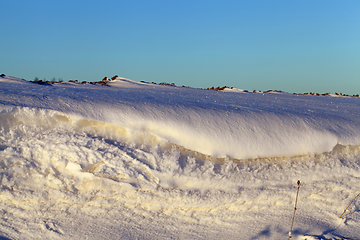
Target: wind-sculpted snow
{"type": "Point", "coordinates": [173, 156]}
{"type": "Point", "coordinates": [43, 149]}
{"type": "Point", "coordinates": [235, 125]}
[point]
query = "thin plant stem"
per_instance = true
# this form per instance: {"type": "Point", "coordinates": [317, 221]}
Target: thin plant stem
{"type": "Point", "coordinates": [349, 205]}
{"type": "Point", "coordinates": [297, 194]}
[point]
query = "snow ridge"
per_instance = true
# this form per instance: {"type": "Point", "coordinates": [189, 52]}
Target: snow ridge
{"type": "Point", "coordinates": [147, 161]}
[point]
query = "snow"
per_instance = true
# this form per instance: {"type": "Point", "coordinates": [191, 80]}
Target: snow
{"type": "Point", "coordinates": [135, 160]}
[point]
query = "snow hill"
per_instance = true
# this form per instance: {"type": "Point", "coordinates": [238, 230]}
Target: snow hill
{"type": "Point", "coordinates": [135, 160]}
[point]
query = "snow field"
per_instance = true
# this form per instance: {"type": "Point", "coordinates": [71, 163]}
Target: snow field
{"type": "Point", "coordinates": [182, 169]}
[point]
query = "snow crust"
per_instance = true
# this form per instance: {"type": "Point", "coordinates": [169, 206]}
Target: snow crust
{"type": "Point", "coordinates": [139, 160]}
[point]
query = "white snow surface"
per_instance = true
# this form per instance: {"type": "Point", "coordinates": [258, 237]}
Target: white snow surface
{"type": "Point", "coordinates": [136, 160]}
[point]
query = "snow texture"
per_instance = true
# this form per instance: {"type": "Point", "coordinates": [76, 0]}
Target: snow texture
{"type": "Point", "coordinates": [134, 160]}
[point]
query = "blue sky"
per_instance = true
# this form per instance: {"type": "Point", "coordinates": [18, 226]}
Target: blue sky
{"type": "Point", "coordinates": [292, 45]}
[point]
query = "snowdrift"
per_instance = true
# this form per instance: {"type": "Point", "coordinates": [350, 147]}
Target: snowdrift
{"type": "Point", "coordinates": [220, 124]}
{"type": "Point", "coordinates": [177, 156]}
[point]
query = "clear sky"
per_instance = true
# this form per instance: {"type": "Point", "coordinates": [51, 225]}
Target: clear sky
{"type": "Point", "coordinates": [289, 45]}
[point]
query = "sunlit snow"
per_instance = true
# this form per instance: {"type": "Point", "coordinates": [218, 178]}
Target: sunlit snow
{"type": "Point", "coordinates": [135, 160]}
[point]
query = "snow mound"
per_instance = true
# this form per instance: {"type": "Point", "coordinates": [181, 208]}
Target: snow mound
{"type": "Point", "coordinates": [143, 161]}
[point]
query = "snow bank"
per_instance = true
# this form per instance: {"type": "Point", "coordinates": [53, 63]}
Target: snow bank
{"type": "Point", "coordinates": [148, 161]}
{"type": "Point", "coordinates": [213, 123]}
